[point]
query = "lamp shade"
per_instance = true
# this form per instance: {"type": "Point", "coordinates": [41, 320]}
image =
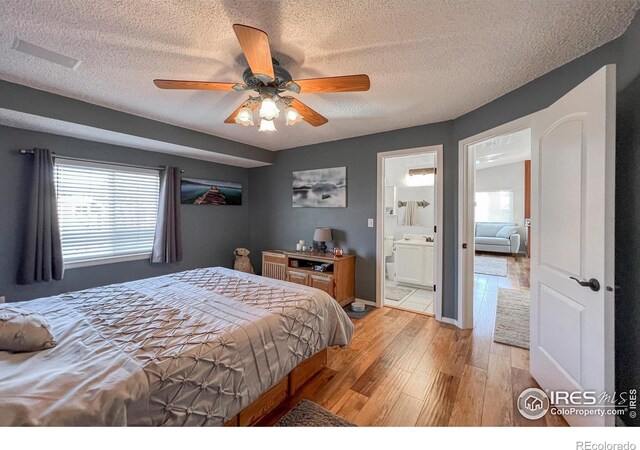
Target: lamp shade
{"type": "Point", "coordinates": [322, 235]}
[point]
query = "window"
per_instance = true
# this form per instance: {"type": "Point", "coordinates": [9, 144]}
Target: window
{"type": "Point", "coordinates": [494, 206]}
{"type": "Point", "coordinates": [107, 213]}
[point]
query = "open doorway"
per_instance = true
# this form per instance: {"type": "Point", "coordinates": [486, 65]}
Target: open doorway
{"type": "Point", "coordinates": [409, 213]}
{"type": "Point", "coordinates": [501, 222]}
{"type": "Point", "coordinates": [494, 221]}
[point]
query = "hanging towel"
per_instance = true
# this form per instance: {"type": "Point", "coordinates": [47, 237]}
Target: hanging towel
{"type": "Point", "coordinates": [411, 218]}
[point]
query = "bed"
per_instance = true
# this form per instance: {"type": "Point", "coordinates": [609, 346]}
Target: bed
{"type": "Point", "coordinates": [188, 349]}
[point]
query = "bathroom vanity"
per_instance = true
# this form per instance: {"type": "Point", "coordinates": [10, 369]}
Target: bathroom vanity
{"type": "Point", "coordinates": [414, 261]}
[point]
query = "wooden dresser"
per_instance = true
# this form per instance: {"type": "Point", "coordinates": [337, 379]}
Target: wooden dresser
{"type": "Point", "coordinates": [296, 267]}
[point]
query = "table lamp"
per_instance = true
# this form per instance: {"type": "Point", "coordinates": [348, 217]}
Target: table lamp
{"type": "Point", "coordinates": [322, 235]}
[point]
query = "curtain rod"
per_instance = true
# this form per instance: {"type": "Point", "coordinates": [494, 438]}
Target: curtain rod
{"type": "Point", "coordinates": [71, 158]}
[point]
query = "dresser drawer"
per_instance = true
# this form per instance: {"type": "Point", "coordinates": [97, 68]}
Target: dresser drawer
{"type": "Point", "coordinates": [297, 277]}
{"type": "Point", "coordinates": [322, 282]}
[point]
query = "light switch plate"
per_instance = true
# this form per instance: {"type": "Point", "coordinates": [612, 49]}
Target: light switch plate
{"type": "Point", "coordinates": [370, 223]}
{"type": "Point", "coordinates": [1, 298]}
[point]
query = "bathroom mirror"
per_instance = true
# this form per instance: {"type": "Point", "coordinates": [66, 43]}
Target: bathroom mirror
{"type": "Point", "coordinates": [390, 201]}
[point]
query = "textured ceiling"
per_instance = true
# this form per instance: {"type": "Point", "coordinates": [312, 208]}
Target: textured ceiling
{"type": "Point", "coordinates": [428, 61]}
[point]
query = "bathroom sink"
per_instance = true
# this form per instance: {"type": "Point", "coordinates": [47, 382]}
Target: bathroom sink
{"type": "Point", "coordinates": [414, 242]}
{"type": "Point", "coordinates": [415, 239]}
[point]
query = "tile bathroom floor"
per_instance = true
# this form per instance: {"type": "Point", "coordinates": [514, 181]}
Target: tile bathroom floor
{"type": "Point", "coordinates": [418, 300]}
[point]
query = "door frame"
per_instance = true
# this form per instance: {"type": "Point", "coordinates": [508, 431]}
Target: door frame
{"type": "Point", "coordinates": [439, 184]}
{"type": "Point", "coordinates": [466, 226]}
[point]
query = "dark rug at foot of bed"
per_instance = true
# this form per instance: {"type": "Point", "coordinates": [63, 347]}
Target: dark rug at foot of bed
{"type": "Point", "coordinates": [308, 414]}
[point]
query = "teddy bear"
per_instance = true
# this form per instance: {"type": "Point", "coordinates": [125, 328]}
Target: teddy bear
{"type": "Point", "coordinates": [242, 262]}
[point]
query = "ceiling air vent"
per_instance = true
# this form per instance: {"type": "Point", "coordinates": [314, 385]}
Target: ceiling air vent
{"type": "Point", "coordinates": [43, 53]}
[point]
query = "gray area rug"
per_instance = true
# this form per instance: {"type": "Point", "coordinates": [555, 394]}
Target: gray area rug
{"type": "Point", "coordinates": [512, 318]}
{"type": "Point", "coordinates": [396, 293]}
{"type": "Point", "coordinates": [490, 266]}
{"type": "Point", "coordinates": [308, 414]}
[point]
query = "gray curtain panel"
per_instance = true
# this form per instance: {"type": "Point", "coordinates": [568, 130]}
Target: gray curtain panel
{"type": "Point", "coordinates": [167, 244]}
{"type": "Point", "coordinates": [41, 250]}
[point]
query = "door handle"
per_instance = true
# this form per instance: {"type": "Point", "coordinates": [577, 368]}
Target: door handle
{"type": "Point", "coordinates": [592, 284]}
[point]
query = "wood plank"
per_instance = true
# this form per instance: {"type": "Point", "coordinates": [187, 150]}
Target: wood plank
{"type": "Point", "coordinates": [404, 413]}
{"type": "Point", "coordinates": [499, 349]}
{"type": "Point", "coordinates": [497, 407]}
{"type": "Point", "coordinates": [383, 398]}
{"type": "Point", "coordinates": [437, 351]}
{"type": "Point", "coordinates": [419, 383]}
{"type": "Point", "coordinates": [455, 361]}
{"type": "Point", "coordinates": [362, 361]}
{"type": "Point", "coordinates": [467, 410]}
{"type": "Point", "coordinates": [439, 401]}
{"type": "Point", "coordinates": [371, 378]}
{"type": "Point", "coordinates": [350, 405]}
{"type": "Point", "coordinates": [520, 358]}
{"type": "Point", "coordinates": [410, 358]}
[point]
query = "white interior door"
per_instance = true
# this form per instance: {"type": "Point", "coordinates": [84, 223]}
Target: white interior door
{"type": "Point", "coordinates": [573, 157]}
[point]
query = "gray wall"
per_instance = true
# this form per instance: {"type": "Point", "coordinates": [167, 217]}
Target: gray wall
{"type": "Point", "coordinates": [209, 233]}
{"type": "Point", "coordinates": [627, 242]}
{"type": "Point", "coordinates": [279, 225]}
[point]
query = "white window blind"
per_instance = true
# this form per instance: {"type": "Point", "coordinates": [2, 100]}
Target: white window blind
{"type": "Point", "coordinates": [494, 206]}
{"type": "Point", "coordinates": [106, 212]}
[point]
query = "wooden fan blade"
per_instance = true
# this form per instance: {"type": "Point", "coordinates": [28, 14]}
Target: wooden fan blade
{"type": "Point", "coordinates": [347, 83]}
{"type": "Point", "coordinates": [255, 45]}
{"type": "Point", "coordinates": [233, 115]}
{"type": "Point", "coordinates": [308, 114]}
{"type": "Point", "coordinates": [197, 85]}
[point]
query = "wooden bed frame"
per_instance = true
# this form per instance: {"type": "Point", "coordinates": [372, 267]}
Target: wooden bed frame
{"type": "Point", "coordinates": [285, 388]}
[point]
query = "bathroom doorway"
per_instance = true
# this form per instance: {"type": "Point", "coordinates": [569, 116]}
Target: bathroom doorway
{"type": "Point", "coordinates": [409, 247]}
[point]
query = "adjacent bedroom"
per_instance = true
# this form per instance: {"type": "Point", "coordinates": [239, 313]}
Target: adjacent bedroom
{"type": "Point", "coordinates": [294, 216]}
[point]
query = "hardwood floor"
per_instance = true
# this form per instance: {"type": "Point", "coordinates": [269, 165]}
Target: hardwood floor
{"type": "Point", "coordinates": [407, 369]}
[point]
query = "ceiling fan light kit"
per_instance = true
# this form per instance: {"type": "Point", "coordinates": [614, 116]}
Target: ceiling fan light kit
{"type": "Point", "coordinates": [267, 125]}
{"type": "Point", "coordinates": [268, 109]}
{"type": "Point", "coordinates": [269, 79]}
{"type": "Point", "coordinates": [292, 115]}
{"type": "Point", "coordinates": [244, 117]}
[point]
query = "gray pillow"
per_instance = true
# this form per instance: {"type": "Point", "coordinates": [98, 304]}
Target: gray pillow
{"type": "Point", "coordinates": [24, 331]}
{"type": "Point", "coordinates": [507, 231]}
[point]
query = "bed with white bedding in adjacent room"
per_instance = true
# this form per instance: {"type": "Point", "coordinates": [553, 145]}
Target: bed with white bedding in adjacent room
{"type": "Point", "coordinates": [190, 348]}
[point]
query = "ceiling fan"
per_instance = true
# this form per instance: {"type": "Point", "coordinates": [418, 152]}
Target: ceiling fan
{"type": "Point", "coordinates": [270, 80]}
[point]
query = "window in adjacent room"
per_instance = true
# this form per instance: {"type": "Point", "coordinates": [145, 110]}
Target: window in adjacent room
{"type": "Point", "coordinates": [107, 213]}
{"type": "Point", "coordinates": [494, 206]}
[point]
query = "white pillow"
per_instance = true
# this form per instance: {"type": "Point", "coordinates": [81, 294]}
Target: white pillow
{"type": "Point", "coordinates": [24, 331]}
{"type": "Point", "coordinates": [507, 231]}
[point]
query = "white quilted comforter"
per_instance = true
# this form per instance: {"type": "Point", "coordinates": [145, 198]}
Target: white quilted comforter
{"type": "Point", "coordinates": [191, 348]}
